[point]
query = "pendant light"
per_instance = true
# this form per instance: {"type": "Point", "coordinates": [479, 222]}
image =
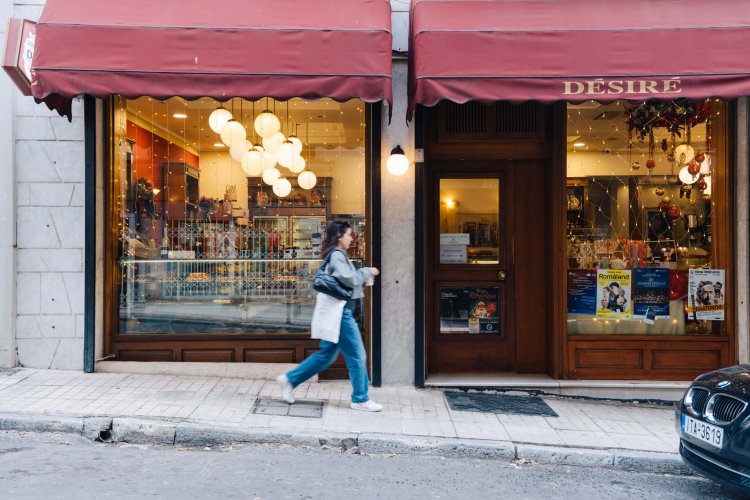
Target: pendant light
{"type": "Point", "coordinates": [251, 163]}
{"type": "Point", "coordinates": [238, 151]}
{"type": "Point", "coordinates": [233, 133]}
{"type": "Point", "coordinates": [282, 187]}
{"type": "Point", "coordinates": [267, 124]}
{"type": "Point", "coordinates": [267, 160]}
{"type": "Point", "coordinates": [273, 143]}
{"type": "Point", "coordinates": [298, 164]}
{"type": "Point", "coordinates": [287, 153]}
{"type": "Point", "coordinates": [297, 143]}
{"type": "Point", "coordinates": [218, 118]}
{"type": "Point", "coordinates": [307, 180]}
{"type": "Point", "coordinates": [271, 175]}
{"type": "Point", "coordinates": [686, 177]}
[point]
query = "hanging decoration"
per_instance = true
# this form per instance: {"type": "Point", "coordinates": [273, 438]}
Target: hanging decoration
{"type": "Point", "coordinates": [674, 115]}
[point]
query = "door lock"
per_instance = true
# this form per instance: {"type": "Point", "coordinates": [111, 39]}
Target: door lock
{"type": "Point", "coordinates": [502, 275]}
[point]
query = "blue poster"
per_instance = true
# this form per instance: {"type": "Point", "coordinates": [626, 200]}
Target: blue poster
{"type": "Point", "coordinates": [581, 291]}
{"type": "Point", "coordinates": [651, 292]}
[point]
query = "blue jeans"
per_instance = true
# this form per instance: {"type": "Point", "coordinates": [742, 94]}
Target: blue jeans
{"type": "Point", "coordinates": [350, 344]}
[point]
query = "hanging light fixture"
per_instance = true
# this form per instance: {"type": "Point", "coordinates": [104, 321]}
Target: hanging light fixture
{"type": "Point", "coordinates": [271, 175]}
{"type": "Point", "coordinates": [297, 143]}
{"type": "Point", "coordinates": [267, 124]}
{"type": "Point", "coordinates": [233, 133]}
{"type": "Point", "coordinates": [282, 187]}
{"type": "Point", "coordinates": [307, 180]}
{"type": "Point", "coordinates": [267, 160]}
{"type": "Point", "coordinates": [686, 177]}
{"type": "Point", "coordinates": [238, 151]}
{"type": "Point", "coordinates": [251, 163]}
{"type": "Point", "coordinates": [397, 163]}
{"type": "Point", "coordinates": [273, 143]}
{"type": "Point", "coordinates": [298, 164]}
{"type": "Point", "coordinates": [218, 118]}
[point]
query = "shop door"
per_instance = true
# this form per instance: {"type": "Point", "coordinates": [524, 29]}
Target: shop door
{"type": "Point", "coordinates": [482, 221]}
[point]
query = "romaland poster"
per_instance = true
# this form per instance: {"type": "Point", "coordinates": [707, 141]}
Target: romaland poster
{"type": "Point", "coordinates": [651, 293]}
{"type": "Point", "coordinates": [706, 294]}
{"type": "Point", "coordinates": [469, 310]}
{"type": "Point", "coordinates": [582, 291]}
{"type": "Point", "coordinates": [613, 293]}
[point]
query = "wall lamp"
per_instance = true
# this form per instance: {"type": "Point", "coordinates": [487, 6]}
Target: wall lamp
{"type": "Point", "coordinates": [397, 162]}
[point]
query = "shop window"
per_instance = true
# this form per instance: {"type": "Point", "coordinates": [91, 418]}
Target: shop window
{"type": "Point", "coordinates": [641, 217]}
{"type": "Point", "coordinates": [218, 229]}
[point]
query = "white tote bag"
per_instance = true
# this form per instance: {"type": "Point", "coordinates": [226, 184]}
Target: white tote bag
{"type": "Point", "coordinates": [326, 319]}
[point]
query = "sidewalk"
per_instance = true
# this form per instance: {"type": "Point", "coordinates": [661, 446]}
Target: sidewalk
{"type": "Point", "coordinates": [187, 411]}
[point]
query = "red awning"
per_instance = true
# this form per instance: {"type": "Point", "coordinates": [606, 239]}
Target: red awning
{"type": "Point", "coordinates": [200, 48]}
{"type": "Point", "coordinates": [576, 50]}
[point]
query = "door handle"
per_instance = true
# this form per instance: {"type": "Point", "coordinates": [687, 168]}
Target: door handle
{"type": "Point", "coordinates": [502, 275]}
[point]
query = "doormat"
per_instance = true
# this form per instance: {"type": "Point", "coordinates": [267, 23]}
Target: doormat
{"type": "Point", "coordinates": [498, 403]}
{"type": "Point", "coordinates": [305, 409]}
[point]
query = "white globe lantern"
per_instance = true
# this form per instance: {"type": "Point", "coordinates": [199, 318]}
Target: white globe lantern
{"type": "Point", "coordinates": [397, 163]}
{"type": "Point", "coordinates": [266, 124]}
{"type": "Point", "coordinates": [307, 180]}
{"type": "Point", "coordinates": [282, 187]}
{"type": "Point", "coordinates": [287, 154]}
{"type": "Point", "coordinates": [271, 175]}
{"type": "Point", "coordinates": [273, 143]}
{"type": "Point", "coordinates": [233, 133]}
{"type": "Point", "coordinates": [298, 164]}
{"type": "Point", "coordinates": [218, 118]}
{"type": "Point", "coordinates": [297, 143]}
{"type": "Point", "coordinates": [251, 163]}
{"type": "Point", "coordinates": [686, 177]}
{"type": "Point", "coordinates": [267, 160]}
{"type": "Point", "coordinates": [237, 151]}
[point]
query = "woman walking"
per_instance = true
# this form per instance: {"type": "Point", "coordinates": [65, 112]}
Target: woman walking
{"type": "Point", "coordinates": [337, 241]}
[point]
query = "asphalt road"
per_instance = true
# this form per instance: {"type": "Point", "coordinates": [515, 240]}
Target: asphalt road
{"type": "Point", "coordinates": [60, 466]}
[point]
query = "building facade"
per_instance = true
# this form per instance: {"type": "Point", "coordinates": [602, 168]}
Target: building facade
{"type": "Point", "coordinates": [496, 246]}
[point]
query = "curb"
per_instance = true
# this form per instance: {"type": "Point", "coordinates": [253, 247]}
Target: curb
{"type": "Point", "coordinates": [194, 434]}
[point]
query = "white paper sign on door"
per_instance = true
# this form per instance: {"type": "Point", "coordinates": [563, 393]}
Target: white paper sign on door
{"type": "Point", "coordinates": [453, 254]}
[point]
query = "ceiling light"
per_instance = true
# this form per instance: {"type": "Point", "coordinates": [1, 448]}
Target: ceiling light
{"type": "Point", "coordinates": [179, 115]}
{"type": "Point", "coordinates": [287, 153]}
{"type": "Point", "coordinates": [218, 144]}
{"type": "Point", "coordinates": [307, 180]}
{"type": "Point", "coordinates": [233, 133]}
{"type": "Point", "coordinates": [273, 143]}
{"type": "Point", "coordinates": [282, 187]}
{"type": "Point", "coordinates": [218, 118]}
{"type": "Point", "coordinates": [579, 144]}
{"type": "Point", "coordinates": [271, 175]}
{"type": "Point", "coordinates": [267, 124]}
{"type": "Point", "coordinates": [251, 163]}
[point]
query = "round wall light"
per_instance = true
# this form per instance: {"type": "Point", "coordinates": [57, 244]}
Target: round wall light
{"type": "Point", "coordinates": [397, 162]}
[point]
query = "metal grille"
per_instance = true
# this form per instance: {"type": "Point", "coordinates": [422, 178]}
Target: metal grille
{"type": "Point", "coordinates": [469, 118]}
{"type": "Point", "coordinates": [723, 409]}
{"type": "Point", "coordinates": [517, 118]}
{"type": "Point", "coordinates": [698, 398]}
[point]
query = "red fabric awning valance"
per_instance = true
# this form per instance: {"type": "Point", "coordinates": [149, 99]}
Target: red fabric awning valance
{"type": "Point", "coordinates": [575, 50]}
{"type": "Point", "coordinates": [198, 48]}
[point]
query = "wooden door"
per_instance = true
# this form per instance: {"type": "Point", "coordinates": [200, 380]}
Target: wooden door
{"type": "Point", "coordinates": [482, 221]}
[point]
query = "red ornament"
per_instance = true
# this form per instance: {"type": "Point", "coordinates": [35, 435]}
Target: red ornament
{"type": "Point", "coordinates": [673, 212]}
{"type": "Point", "coordinates": [664, 145]}
{"type": "Point", "coordinates": [670, 157]}
{"type": "Point", "coordinates": [664, 206]}
{"type": "Point", "coordinates": [701, 184]}
{"type": "Point", "coordinates": [700, 157]}
{"type": "Point", "coordinates": [694, 168]}
{"type": "Point", "coordinates": [650, 164]}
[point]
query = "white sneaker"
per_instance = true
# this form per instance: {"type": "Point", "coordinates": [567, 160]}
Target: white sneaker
{"type": "Point", "coordinates": [287, 391]}
{"type": "Point", "coordinates": [369, 405]}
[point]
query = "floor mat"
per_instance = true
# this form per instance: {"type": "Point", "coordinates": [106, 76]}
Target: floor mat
{"type": "Point", "coordinates": [498, 403]}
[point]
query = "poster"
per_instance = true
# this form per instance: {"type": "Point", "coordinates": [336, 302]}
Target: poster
{"type": "Point", "coordinates": [706, 294]}
{"type": "Point", "coordinates": [651, 293]}
{"type": "Point", "coordinates": [614, 299]}
{"type": "Point", "coordinates": [581, 291]}
{"type": "Point", "coordinates": [469, 310]}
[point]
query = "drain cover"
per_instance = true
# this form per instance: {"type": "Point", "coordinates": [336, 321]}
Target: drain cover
{"type": "Point", "coordinates": [306, 409]}
{"type": "Point", "coordinates": [498, 403]}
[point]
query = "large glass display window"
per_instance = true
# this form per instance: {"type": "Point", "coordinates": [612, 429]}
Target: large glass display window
{"type": "Point", "coordinates": [219, 210]}
{"type": "Point", "coordinates": [644, 256]}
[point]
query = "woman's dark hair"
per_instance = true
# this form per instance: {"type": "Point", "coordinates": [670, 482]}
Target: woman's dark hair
{"type": "Point", "coordinates": [334, 232]}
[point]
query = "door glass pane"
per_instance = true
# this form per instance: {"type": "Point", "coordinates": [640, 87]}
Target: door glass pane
{"type": "Point", "coordinates": [469, 221]}
{"type": "Point", "coordinates": [470, 310]}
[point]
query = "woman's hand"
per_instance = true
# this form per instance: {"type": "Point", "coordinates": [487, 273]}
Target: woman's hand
{"type": "Point", "coordinates": [374, 271]}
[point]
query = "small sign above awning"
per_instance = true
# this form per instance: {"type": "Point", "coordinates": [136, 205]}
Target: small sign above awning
{"type": "Point", "coordinates": [19, 50]}
{"type": "Point", "coordinates": [197, 48]}
{"type": "Point", "coordinates": [576, 50]}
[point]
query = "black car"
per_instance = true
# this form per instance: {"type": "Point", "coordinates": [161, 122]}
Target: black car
{"type": "Point", "coordinates": [713, 421]}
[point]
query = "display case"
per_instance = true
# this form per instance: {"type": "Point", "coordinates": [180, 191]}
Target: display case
{"type": "Point", "coordinates": [274, 232]}
{"type": "Point", "coordinates": [262, 201]}
{"type": "Point", "coordinates": [306, 236]}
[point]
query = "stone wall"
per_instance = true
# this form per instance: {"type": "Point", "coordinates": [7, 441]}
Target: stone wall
{"type": "Point", "coordinates": [49, 175]}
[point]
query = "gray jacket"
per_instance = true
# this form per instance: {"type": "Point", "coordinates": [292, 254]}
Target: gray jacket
{"type": "Point", "coordinates": [341, 268]}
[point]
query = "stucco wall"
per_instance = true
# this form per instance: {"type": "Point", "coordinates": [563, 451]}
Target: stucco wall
{"type": "Point", "coordinates": [49, 171]}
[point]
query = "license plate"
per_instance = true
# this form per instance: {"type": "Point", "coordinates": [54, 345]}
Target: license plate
{"type": "Point", "coordinates": [707, 433]}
